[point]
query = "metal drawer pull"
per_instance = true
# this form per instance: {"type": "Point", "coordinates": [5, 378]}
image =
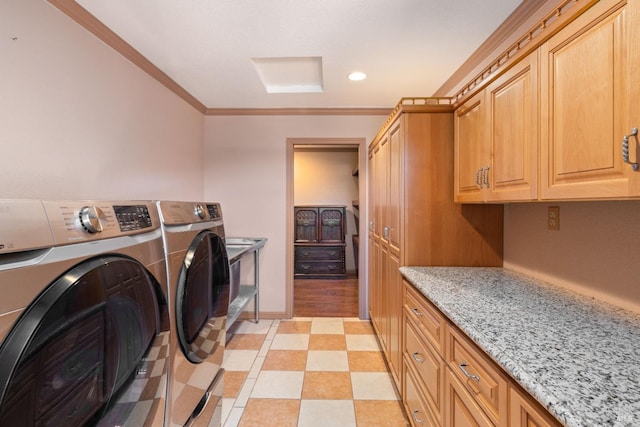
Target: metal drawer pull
{"type": "Point", "coordinates": [485, 176]}
{"type": "Point", "coordinates": [478, 182]}
{"type": "Point", "coordinates": [625, 148]}
{"type": "Point", "coordinates": [417, 312]}
{"type": "Point", "coordinates": [415, 416]}
{"type": "Point", "coordinates": [463, 368]}
{"type": "Point", "coordinates": [416, 358]}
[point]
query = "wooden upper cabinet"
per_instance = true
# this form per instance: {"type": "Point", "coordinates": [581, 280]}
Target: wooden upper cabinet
{"type": "Point", "coordinates": [512, 119]}
{"type": "Point", "coordinates": [497, 138]}
{"type": "Point", "coordinates": [471, 150]}
{"type": "Point", "coordinates": [586, 97]}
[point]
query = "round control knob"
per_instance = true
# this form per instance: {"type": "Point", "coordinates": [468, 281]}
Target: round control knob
{"type": "Point", "coordinates": [201, 211]}
{"type": "Point", "coordinates": [91, 219]}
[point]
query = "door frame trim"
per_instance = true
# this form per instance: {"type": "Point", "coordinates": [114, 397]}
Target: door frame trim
{"type": "Point", "coordinates": [361, 143]}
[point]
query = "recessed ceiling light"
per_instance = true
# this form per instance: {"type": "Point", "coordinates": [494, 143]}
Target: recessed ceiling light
{"type": "Point", "coordinates": [357, 75]}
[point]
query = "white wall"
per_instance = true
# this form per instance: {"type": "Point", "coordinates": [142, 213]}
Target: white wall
{"type": "Point", "coordinates": [246, 171]}
{"type": "Point", "coordinates": [78, 121]}
{"type": "Point", "coordinates": [325, 177]}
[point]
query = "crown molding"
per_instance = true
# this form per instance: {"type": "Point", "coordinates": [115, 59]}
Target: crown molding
{"type": "Point", "coordinates": [92, 24]}
{"type": "Point", "coordinates": [298, 111]}
{"type": "Point", "coordinates": [510, 27]}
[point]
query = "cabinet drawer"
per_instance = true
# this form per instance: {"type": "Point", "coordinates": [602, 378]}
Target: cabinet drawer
{"type": "Point", "coordinates": [428, 368]}
{"type": "Point", "coordinates": [428, 319]}
{"type": "Point", "coordinates": [314, 253]}
{"type": "Point", "coordinates": [319, 267]}
{"type": "Point", "coordinates": [417, 411]}
{"type": "Point", "coordinates": [480, 376]}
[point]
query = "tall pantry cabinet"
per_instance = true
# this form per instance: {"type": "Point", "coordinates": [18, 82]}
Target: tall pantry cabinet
{"type": "Point", "coordinates": [413, 219]}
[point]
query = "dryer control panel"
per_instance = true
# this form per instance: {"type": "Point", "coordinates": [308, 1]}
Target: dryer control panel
{"type": "Point", "coordinates": [77, 221]}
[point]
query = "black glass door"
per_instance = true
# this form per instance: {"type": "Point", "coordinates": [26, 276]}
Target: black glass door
{"type": "Point", "coordinates": [79, 346]}
{"type": "Point", "coordinates": [202, 299]}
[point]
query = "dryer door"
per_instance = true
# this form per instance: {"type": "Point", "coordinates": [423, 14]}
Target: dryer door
{"type": "Point", "coordinates": [82, 351]}
{"type": "Point", "coordinates": [202, 297]}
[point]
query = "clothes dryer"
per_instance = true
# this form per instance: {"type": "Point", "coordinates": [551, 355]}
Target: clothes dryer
{"type": "Point", "coordinates": [198, 278]}
{"type": "Point", "coordinates": [84, 328]}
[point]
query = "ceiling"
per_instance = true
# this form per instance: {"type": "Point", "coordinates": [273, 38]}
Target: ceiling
{"type": "Point", "coordinates": [210, 47]}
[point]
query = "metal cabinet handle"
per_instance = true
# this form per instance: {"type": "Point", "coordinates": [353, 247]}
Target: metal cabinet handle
{"type": "Point", "coordinates": [414, 415]}
{"type": "Point", "coordinates": [463, 368]}
{"type": "Point", "coordinates": [478, 182]}
{"type": "Point", "coordinates": [485, 176]}
{"type": "Point", "coordinates": [417, 312]}
{"type": "Point", "coordinates": [625, 148]}
{"type": "Point", "coordinates": [416, 357]}
{"type": "Point", "coordinates": [385, 232]}
{"type": "Point", "coordinates": [371, 224]}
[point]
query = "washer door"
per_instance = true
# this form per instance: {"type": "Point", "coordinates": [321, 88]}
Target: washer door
{"type": "Point", "coordinates": [202, 299]}
{"type": "Point", "coordinates": [79, 353]}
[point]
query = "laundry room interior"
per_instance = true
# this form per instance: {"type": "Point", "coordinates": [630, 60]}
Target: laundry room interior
{"type": "Point", "coordinates": [486, 151]}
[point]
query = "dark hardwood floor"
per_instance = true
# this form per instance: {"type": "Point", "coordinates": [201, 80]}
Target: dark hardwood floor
{"type": "Point", "coordinates": [325, 298]}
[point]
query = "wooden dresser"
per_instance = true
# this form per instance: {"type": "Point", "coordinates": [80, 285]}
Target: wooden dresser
{"type": "Point", "coordinates": [320, 242]}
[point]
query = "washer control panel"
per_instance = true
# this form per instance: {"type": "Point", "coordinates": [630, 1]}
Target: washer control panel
{"type": "Point", "coordinates": [134, 217]}
{"type": "Point", "coordinates": [214, 211]}
{"type": "Point", "coordinates": [73, 222]}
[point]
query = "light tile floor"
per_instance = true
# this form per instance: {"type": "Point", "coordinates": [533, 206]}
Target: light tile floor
{"type": "Point", "coordinates": [308, 372]}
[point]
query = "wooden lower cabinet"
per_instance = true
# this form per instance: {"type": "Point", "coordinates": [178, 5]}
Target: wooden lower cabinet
{"type": "Point", "coordinates": [461, 409]}
{"type": "Point", "coordinates": [479, 375]}
{"type": "Point", "coordinates": [414, 403]}
{"type": "Point", "coordinates": [449, 382]}
{"type": "Point", "coordinates": [525, 412]}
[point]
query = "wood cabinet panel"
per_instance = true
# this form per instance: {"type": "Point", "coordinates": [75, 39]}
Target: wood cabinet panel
{"type": "Point", "coordinates": [471, 149]}
{"type": "Point", "coordinates": [426, 319]}
{"type": "Point", "coordinates": [419, 415]}
{"type": "Point", "coordinates": [461, 410]}
{"type": "Point", "coordinates": [395, 191]}
{"type": "Point", "coordinates": [428, 367]}
{"type": "Point", "coordinates": [525, 412]}
{"type": "Point", "coordinates": [497, 138]}
{"type": "Point", "coordinates": [415, 221]}
{"type": "Point", "coordinates": [586, 106]}
{"type": "Point", "coordinates": [479, 375]}
{"type": "Point", "coordinates": [512, 118]}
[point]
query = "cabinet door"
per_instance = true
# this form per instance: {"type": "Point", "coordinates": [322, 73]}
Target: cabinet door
{"type": "Point", "coordinates": [634, 91]}
{"type": "Point", "coordinates": [374, 245]}
{"type": "Point", "coordinates": [585, 106]}
{"type": "Point", "coordinates": [331, 224]}
{"type": "Point", "coordinates": [471, 152]}
{"type": "Point", "coordinates": [395, 187]}
{"type": "Point", "coordinates": [460, 408]}
{"type": "Point", "coordinates": [524, 411]}
{"type": "Point", "coordinates": [393, 298]}
{"type": "Point", "coordinates": [512, 118]}
{"type": "Point", "coordinates": [306, 225]}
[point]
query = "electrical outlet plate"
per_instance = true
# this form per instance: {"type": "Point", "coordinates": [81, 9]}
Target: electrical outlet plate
{"type": "Point", "coordinates": [553, 218]}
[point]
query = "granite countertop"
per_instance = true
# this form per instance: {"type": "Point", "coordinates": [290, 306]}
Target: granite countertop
{"type": "Point", "coordinates": [580, 358]}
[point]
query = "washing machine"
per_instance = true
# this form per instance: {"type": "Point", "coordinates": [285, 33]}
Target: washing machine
{"type": "Point", "coordinates": [198, 279]}
{"type": "Point", "coordinates": [84, 330]}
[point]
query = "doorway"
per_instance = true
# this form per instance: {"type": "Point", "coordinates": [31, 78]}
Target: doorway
{"type": "Point", "coordinates": [326, 171]}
